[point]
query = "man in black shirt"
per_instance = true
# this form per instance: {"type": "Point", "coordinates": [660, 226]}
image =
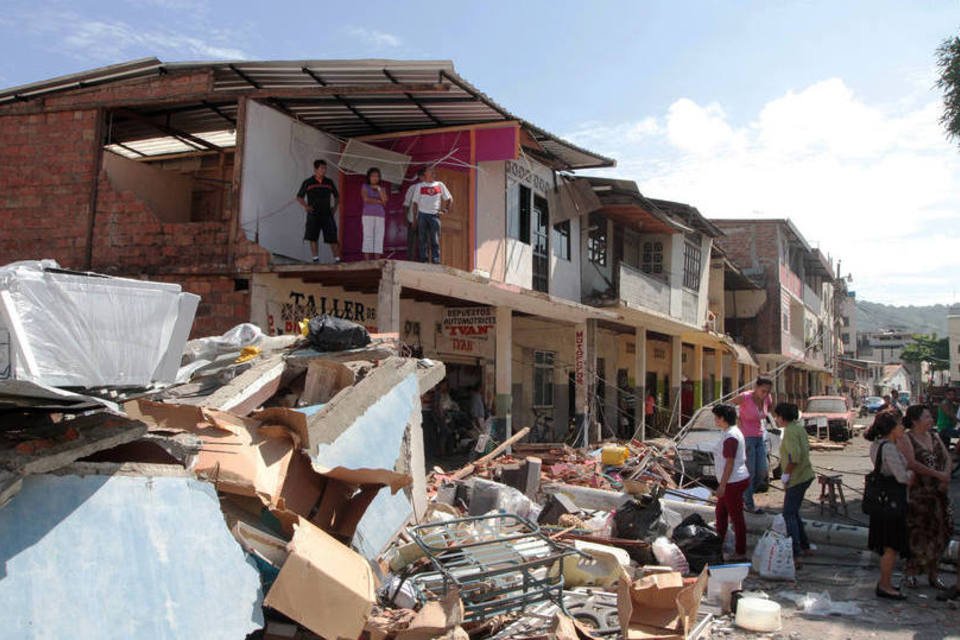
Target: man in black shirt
{"type": "Point", "coordinates": [319, 198]}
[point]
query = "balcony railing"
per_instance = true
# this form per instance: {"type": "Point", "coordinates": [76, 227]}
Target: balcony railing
{"type": "Point", "coordinates": [639, 290]}
{"type": "Point", "coordinates": [811, 299]}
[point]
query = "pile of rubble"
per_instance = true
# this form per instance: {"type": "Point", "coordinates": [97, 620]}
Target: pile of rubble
{"type": "Point", "coordinates": [275, 487]}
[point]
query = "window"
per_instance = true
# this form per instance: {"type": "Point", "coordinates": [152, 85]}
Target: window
{"type": "Point", "coordinates": [518, 211]}
{"type": "Point", "coordinates": [561, 240]}
{"type": "Point", "coordinates": [540, 241]}
{"type": "Point", "coordinates": [543, 379]}
{"type": "Point", "coordinates": [652, 258]}
{"type": "Point", "coordinates": [845, 338]}
{"type": "Point", "coordinates": [597, 241]}
{"type": "Point", "coordinates": [691, 266]}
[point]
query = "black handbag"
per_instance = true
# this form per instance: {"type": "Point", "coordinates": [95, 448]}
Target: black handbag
{"type": "Point", "coordinates": [883, 496]}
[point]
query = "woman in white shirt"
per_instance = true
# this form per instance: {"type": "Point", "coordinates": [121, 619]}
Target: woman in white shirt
{"type": "Point", "coordinates": [888, 535]}
{"type": "Point", "coordinates": [730, 462]}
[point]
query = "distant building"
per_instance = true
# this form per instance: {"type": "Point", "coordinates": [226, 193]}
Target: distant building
{"type": "Point", "coordinates": [848, 324]}
{"type": "Point", "coordinates": [953, 332]}
{"type": "Point", "coordinates": [883, 346]}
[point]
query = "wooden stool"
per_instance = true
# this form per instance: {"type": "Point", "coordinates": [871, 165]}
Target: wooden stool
{"type": "Point", "coordinates": [830, 488]}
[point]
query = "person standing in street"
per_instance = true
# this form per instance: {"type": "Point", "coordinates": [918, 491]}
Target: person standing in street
{"type": "Point", "coordinates": [413, 235]}
{"type": "Point", "coordinates": [729, 461]}
{"type": "Point", "coordinates": [888, 534]}
{"type": "Point", "coordinates": [796, 476]}
{"type": "Point", "coordinates": [374, 216]}
{"type": "Point", "coordinates": [754, 408]}
{"type": "Point", "coordinates": [650, 407]}
{"type": "Point", "coordinates": [947, 417]}
{"type": "Point", "coordinates": [431, 200]}
{"type": "Point", "coordinates": [929, 516]}
{"type": "Point", "coordinates": [319, 198]}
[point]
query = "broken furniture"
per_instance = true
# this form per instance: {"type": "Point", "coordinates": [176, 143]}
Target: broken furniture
{"type": "Point", "coordinates": [499, 564]}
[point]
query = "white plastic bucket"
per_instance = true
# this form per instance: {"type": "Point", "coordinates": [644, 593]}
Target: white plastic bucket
{"type": "Point", "coordinates": [757, 614]}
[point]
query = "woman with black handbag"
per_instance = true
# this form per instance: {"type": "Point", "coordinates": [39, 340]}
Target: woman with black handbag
{"type": "Point", "coordinates": [885, 499]}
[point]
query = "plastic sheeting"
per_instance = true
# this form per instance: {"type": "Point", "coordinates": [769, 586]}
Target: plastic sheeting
{"type": "Point", "coordinates": [66, 329]}
{"type": "Point", "coordinates": [123, 557]}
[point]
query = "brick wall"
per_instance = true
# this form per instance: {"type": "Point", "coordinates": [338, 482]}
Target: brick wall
{"type": "Point", "coordinates": [46, 169]}
{"type": "Point", "coordinates": [47, 163]}
{"type": "Point", "coordinates": [755, 245]}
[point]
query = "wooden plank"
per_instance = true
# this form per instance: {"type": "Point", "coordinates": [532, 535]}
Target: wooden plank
{"type": "Point", "coordinates": [463, 472]}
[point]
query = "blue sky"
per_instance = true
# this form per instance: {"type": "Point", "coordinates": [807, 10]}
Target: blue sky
{"type": "Point", "coordinates": [823, 112]}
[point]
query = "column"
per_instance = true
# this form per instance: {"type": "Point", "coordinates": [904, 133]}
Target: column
{"type": "Point", "coordinates": [593, 378]}
{"type": "Point", "coordinates": [388, 300]}
{"type": "Point", "coordinates": [581, 381]}
{"type": "Point", "coordinates": [697, 376]}
{"type": "Point", "coordinates": [676, 375]}
{"type": "Point", "coordinates": [734, 373]}
{"type": "Point", "coordinates": [503, 409]}
{"type": "Point", "coordinates": [640, 378]}
{"type": "Point", "coordinates": [717, 374]}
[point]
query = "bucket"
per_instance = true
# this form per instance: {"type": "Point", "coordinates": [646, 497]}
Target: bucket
{"type": "Point", "coordinates": [757, 614]}
{"type": "Point", "coordinates": [614, 455]}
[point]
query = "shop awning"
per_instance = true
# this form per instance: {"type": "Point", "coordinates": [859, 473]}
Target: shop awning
{"type": "Point", "coordinates": [742, 354]}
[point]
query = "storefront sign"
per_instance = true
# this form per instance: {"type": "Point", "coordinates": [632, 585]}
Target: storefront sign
{"type": "Point", "coordinates": [301, 306]}
{"type": "Point", "coordinates": [469, 321]}
{"type": "Point", "coordinates": [579, 358]}
{"type": "Point", "coordinates": [525, 173]}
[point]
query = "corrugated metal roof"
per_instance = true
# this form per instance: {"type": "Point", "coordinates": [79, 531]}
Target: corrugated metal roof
{"type": "Point", "coordinates": [443, 99]}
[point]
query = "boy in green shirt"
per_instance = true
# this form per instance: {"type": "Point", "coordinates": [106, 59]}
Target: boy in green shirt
{"type": "Point", "coordinates": [797, 473]}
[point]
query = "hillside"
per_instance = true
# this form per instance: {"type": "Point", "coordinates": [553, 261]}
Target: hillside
{"type": "Point", "coordinates": [873, 316]}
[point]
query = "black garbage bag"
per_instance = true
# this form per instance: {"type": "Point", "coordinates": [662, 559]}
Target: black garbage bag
{"type": "Point", "coordinates": [699, 542]}
{"type": "Point", "coordinates": [640, 520]}
{"type": "Point", "coordinates": [327, 333]}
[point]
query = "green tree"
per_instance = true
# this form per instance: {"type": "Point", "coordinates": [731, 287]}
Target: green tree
{"type": "Point", "coordinates": [930, 349]}
{"type": "Point", "coordinates": [948, 59]}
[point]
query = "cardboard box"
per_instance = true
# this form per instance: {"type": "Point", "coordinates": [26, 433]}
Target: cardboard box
{"type": "Point", "coordinates": [660, 606]}
{"type": "Point", "coordinates": [324, 585]}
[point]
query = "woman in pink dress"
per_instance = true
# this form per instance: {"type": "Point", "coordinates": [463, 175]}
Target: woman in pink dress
{"type": "Point", "coordinates": [754, 409]}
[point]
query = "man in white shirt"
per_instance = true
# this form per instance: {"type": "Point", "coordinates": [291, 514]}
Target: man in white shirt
{"type": "Point", "coordinates": [413, 241]}
{"type": "Point", "coordinates": [431, 199]}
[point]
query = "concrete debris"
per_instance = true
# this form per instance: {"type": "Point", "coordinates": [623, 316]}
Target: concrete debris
{"type": "Point", "coordinates": [287, 490]}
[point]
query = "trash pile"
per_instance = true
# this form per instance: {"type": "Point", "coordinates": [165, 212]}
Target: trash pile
{"type": "Point", "coordinates": [245, 485]}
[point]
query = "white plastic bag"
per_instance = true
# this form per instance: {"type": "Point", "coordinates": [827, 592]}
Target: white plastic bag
{"type": "Point", "coordinates": [779, 525]}
{"type": "Point", "coordinates": [729, 542]}
{"type": "Point", "coordinates": [668, 554]}
{"type": "Point", "coordinates": [773, 557]}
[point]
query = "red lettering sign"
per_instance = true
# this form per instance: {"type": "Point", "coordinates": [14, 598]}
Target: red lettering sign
{"type": "Point", "coordinates": [579, 360]}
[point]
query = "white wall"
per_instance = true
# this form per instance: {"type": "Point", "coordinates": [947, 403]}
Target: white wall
{"type": "Point", "coordinates": [491, 219]}
{"type": "Point", "coordinates": [278, 155]}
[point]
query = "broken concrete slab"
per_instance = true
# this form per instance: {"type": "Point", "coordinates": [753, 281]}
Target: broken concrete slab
{"type": "Point", "coordinates": [67, 441]}
{"type": "Point", "coordinates": [117, 556]}
{"type": "Point", "coordinates": [250, 389]}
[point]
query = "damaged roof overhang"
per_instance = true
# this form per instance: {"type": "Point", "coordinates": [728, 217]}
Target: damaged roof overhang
{"type": "Point", "coordinates": [622, 202]}
{"type": "Point", "coordinates": [690, 215]}
{"type": "Point", "coordinates": [347, 98]}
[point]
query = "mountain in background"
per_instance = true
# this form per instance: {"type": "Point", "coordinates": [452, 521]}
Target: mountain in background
{"type": "Point", "coordinates": [873, 316]}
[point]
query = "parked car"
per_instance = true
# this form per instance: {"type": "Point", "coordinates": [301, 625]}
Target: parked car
{"type": "Point", "coordinates": [697, 445]}
{"type": "Point", "coordinates": [871, 404]}
{"type": "Point", "coordinates": [836, 410]}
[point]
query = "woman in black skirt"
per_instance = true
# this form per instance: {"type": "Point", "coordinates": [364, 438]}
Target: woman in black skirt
{"type": "Point", "coordinates": [888, 536]}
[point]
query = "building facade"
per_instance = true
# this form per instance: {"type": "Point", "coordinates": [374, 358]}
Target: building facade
{"type": "Point", "coordinates": [793, 331]}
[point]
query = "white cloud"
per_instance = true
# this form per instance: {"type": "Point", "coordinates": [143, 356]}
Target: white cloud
{"type": "Point", "coordinates": [875, 186]}
{"type": "Point", "coordinates": [374, 37]}
{"type": "Point", "coordinates": [115, 40]}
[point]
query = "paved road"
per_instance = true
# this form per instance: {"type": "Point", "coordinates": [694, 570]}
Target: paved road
{"type": "Point", "coordinates": [850, 574]}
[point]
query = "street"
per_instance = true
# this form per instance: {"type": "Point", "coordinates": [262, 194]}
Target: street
{"type": "Point", "coordinates": [849, 575]}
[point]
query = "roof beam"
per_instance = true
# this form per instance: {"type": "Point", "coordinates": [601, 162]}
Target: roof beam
{"type": "Point", "coordinates": [217, 110]}
{"type": "Point", "coordinates": [409, 95]}
{"type": "Point", "coordinates": [243, 76]}
{"type": "Point", "coordinates": [170, 131]}
{"type": "Point", "coordinates": [316, 78]}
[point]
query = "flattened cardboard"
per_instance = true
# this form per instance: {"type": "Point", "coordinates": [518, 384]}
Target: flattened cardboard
{"type": "Point", "coordinates": [325, 586]}
{"type": "Point", "coordinates": [659, 606]}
